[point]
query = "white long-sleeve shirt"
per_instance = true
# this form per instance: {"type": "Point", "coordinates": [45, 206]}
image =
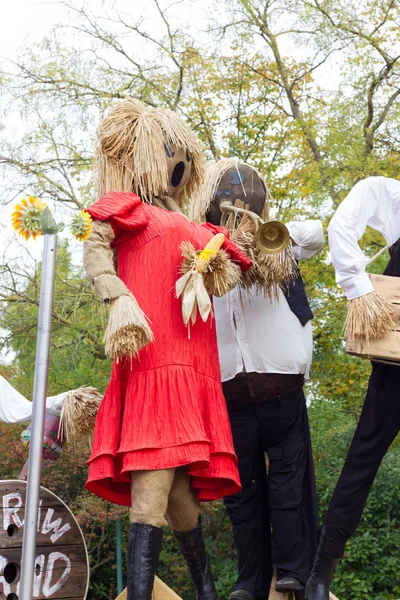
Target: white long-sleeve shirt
{"type": "Point", "coordinates": [373, 202]}
{"type": "Point", "coordinates": [256, 334]}
{"type": "Point", "coordinates": [15, 408]}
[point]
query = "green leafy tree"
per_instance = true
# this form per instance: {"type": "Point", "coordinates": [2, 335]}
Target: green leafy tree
{"type": "Point", "coordinates": [305, 90]}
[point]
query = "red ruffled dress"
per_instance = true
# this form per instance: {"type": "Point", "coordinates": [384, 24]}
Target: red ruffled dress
{"type": "Point", "coordinates": [165, 408]}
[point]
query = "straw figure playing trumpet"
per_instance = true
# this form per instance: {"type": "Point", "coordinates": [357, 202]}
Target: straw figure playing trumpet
{"type": "Point", "coordinates": [162, 441]}
{"type": "Point", "coordinates": [265, 351]}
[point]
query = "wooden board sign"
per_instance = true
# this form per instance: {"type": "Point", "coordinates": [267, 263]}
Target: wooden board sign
{"type": "Point", "coordinates": [387, 349]}
{"type": "Point", "coordinates": [61, 566]}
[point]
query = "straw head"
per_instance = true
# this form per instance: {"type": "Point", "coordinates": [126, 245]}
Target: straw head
{"type": "Point", "coordinates": [149, 151]}
{"type": "Point", "coordinates": [229, 179]}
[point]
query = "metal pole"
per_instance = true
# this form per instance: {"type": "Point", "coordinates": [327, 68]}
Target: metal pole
{"type": "Point", "coordinates": [38, 412]}
{"type": "Point", "coordinates": [120, 585]}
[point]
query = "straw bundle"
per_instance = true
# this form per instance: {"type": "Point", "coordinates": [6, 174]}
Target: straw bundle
{"type": "Point", "coordinates": [278, 269]}
{"type": "Point", "coordinates": [220, 274]}
{"type": "Point", "coordinates": [243, 237]}
{"type": "Point", "coordinates": [78, 413]}
{"type": "Point", "coordinates": [128, 330]}
{"type": "Point", "coordinates": [269, 272]}
{"type": "Point", "coordinates": [370, 317]}
{"type": "Point", "coordinates": [131, 154]}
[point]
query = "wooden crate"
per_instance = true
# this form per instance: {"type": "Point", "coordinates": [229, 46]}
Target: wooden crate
{"type": "Point", "coordinates": [387, 349]}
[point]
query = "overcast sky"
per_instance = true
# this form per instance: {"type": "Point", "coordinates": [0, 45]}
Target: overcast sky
{"type": "Point", "coordinates": [22, 18]}
{"type": "Point", "coordinates": [22, 21]}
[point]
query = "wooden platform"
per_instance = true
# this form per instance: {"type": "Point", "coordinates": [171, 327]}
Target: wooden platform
{"type": "Point", "coordinates": [387, 349]}
{"type": "Point", "coordinates": [162, 592]}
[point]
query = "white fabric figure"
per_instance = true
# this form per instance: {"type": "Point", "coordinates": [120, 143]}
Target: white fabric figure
{"type": "Point", "coordinates": [15, 408]}
{"type": "Point", "coordinates": [247, 322]}
{"type": "Point", "coordinates": [373, 202]}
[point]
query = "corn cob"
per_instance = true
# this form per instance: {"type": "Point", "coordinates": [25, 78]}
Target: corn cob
{"type": "Point", "coordinates": [213, 246]}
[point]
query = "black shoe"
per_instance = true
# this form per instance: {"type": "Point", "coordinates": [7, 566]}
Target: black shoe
{"type": "Point", "coordinates": [317, 587]}
{"type": "Point", "coordinates": [191, 545]}
{"type": "Point", "coordinates": [288, 584]}
{"type": "Point", "coordinates": [144, 545]}
{"type": "Point", "coordinates": [241, 595]}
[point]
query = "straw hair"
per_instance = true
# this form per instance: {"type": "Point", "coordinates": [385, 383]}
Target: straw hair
{"type": "Point", "coordinates": [131, 155]}
{"type": "Point", "coordinates": [78, 413]}
{"type": "Point", "coordinates": [370, 317]}
{"type": "Point", "coordinates": [203, 198]}
{"type": "Point", "coordinates": [220, 275]}
{"type": "Point", "coordinates": [128, 330]}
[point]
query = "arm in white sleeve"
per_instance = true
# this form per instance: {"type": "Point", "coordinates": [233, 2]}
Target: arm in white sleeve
{"type": "Point", "coordinates": [14, 407]}
{"type": "Point", "coordinates": [372, 202]}
{"type": "Point", "coordinates": [308, 237]}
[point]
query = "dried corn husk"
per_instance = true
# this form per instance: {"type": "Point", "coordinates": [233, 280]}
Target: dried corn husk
{"type": "Point", "coordinates": [191, 285]}
{"type": "Point", "coordinates": [220, 275]}
{"type": "Point", "coordinates": [79, 411]}
{"type": "Point", "coordinates": [128, 330]}
{"type": "Point", "coordinates": [370, 317]}
{"type": "Point", "coordinates": [213, 246]}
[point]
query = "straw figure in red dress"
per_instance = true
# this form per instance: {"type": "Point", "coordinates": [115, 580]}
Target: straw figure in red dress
{"type": "Point", "coordinates": [162, 441]}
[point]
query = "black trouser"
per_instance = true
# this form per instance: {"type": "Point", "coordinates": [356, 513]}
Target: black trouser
{"type": "Point", "coordinates": [378, 426]}
{"type": "Point", "coordinates": [285, 500]}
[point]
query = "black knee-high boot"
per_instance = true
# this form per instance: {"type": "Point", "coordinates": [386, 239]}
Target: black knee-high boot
{"type": "Point", "coordinates": [191, 544]}
{"type": "Point", "coordinates": [317, 587]}
{"type": "Point", "coordinates": [144, 546]}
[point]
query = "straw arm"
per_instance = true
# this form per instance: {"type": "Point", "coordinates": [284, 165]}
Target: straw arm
{"type": "Point", "coordinates": [98, 260]}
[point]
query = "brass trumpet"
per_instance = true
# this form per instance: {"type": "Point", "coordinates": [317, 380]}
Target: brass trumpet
{"type": "Point", "coordinates": [270, 237]}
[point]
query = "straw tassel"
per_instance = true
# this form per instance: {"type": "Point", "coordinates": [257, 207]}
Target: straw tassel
{"type": "Point", "coordinates": [270, 272]}
{"type": "Point", "coordinates": [370, 317]}
{"type": "Point", "coordinates": [79, 411]}
{"type": "Point", "coordinates": [277, 269]}
{"type": "Point", "coordinates": [128, 330]}
{"type": "Point", "coordinates": [221, 275]}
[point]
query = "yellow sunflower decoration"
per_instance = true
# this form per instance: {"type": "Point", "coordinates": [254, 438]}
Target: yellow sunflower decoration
{"type": "Point", "coordinates": [26, 217]}
{"type": "Point", "coordinates": [81, 225]}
